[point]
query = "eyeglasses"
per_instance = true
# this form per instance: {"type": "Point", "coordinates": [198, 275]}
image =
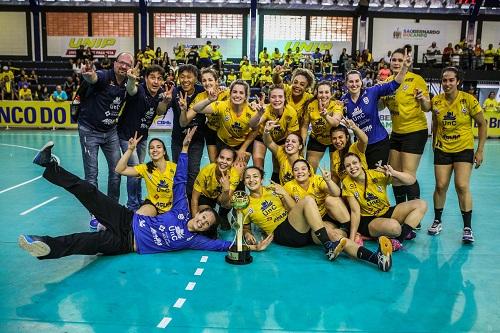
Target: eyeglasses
{"type": "Point", "coordinates": [123, 63]}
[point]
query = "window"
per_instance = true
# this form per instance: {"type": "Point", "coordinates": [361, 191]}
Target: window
{"type": "Point", "coordinates": [113, 24]}
{"type": "Point", "coordinates": [173, 25]}
{"type": "Point", "coordinates": [327, 28]}
{"type": "Point", "coordinates": [221, 26]}
{"type": "Point", "coordinates": [67, 24]}
{"type": "Point", "coordinates": [284, 27]}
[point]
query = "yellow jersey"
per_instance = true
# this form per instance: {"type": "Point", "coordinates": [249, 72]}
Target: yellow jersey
{"type": "Point", "coordinates": [320, 128]}
{"type": "Point", "coordinates": [205, 51]}
{"type": "Point", "coordinates": [216, 55]}
{"type": "Point", "coordinates": [213, 121]}
{"type": "Point", "coordinates": [406, 114]}
{"type": "Point", "coordinates": [276, 55]}
{"type": "Point", "coordinates": [317, 189]}
{"type": "Point", "coordinates": [299, 106]}
{"type": "Point", "coordinates": [246, 72]}
{"type": "Point", "coordinates": [266, 78]}
{"type": "Point", "coordinates": [335, 162]}
{"type": "Point", "coordinates": [232, 129]}
{"type": "Point", "coordinates": [267, 212]}
{"type": "Point", "coordinates": [454, 122]}
{"type": "Point", "coordinates": [285, 173]}
{"type": "Point", "coordinates": [491, 105]}
{"type": "Point", "coordinates": [207, 183]}
{"type": "Point", "coordinates": [373, 200]}
{"type": "Point", "coordinates": [159, 185]}
{"type": "Point", "coordinates": [231, 78]}
{"type": "Point", "coordinates": [288, 122]}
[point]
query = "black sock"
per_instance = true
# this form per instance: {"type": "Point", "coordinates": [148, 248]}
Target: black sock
{"type": "Point", "coordinates": [405, 230]}
{"type": "Point", "coordinates": [399, 193]}
{"type": "Point", "coordinates": [413, 191]}
{"type": "Point", "coordinates": [437, 214]}
{"type": "Point", "coordinates": [467, 216]}
{"type": "Point", "coordinates": [322, 235]}
{"type": "Point", "coordinates": [367, 255]}
{"type": "Point", "coordinates": [275, 177]}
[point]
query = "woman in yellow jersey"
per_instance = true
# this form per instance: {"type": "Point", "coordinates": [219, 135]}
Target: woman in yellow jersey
{"type": "Point", "coordinates": [158, 174]}
{"type": "Point", "coordinates": [341, 140]}
{"type": "Point", "coordinates": [215, 184]}
{"type": "Point", "coordinates": [491, 105]}
{"type": "Point", "coordinates": [276, 57]}
{"type": "Point", "coordinates": [210, 81]}
{"type": "Point", "coordinates": [296, 93]}
{"type": "Point", "coordinates": [453, 112]}
{"type": "Point", "coordinates": [180, 53]}
{"type": "Point", "coordinates": [322, 114]}
{"type": "Point", "coordinates": [281, 114]}
{"type": "Point", "coordinates": [286, 155]}
{"type": "Point", "coordinates": [371, 213]}
{"type": "Point", "coordinates": [322, 189]}
{"type": "Point", "coordinates": [234, 116]}
{"type": "Point", "coordinates": [294, 224]}
{"type": "Point", "coordinates": [409, 126]}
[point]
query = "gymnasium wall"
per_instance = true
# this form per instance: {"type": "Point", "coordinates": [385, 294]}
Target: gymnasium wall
{"type": "Point", "coordinates": [490, 34]}
{"type": "Point", "coordinates": [13, 34]}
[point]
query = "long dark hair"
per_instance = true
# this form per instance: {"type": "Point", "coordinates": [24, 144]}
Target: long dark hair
{"type": "Point", "coordinates": [150, 165]}
{"type": "Point", "coordinates": [344, 151]}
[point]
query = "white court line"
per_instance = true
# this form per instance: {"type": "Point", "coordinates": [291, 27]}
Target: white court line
{"type": "Point", "coordinates": [199, 271]}
{"type": "Point", "coordinates": [38, 206]}
{"type": "Point", "coordinates": [18, 185]}
{"type": "Point", "coordinates": [190, 286]}
{"type": "Point", "coordinates": [204, 259]}
{"type": "Point", "coordinates": [179, 303]}
{"type": "Point", "coordinates": [164, 322]}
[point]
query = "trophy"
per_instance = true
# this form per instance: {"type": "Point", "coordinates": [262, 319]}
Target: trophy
{"type": "Point", "coordinates": [239, 253]}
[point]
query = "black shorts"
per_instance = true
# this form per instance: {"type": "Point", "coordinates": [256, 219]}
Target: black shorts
{"type": "Point", "coordinates": [315, 145]}
{"type": "Point", "coordinates": [413, 143]}
{"type": "Point", "coordinates": [285, 234]}
{"type": "Point", "coordinates": [210, 136]}
{"type": "Point", "coordinates": [279, 143]}
{"type": "Point", "coordinates": [442, 158]}
{"type": "Point", "coordinates": [148, 202]}
{"type": "Point", "coordinates": [206, 201]}
{"type": "Point", "coordinates": [366, 220]}
{"type": "Point", "coordinates": [221, 145]}
{"type": "Point", "coordinates": [378, 153]}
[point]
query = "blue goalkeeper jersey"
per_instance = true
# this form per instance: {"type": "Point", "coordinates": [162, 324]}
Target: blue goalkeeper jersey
{"type": "Point", "coordinates": [168, 231]}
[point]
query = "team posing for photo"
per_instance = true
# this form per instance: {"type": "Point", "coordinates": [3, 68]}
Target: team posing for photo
{"type": "Point", "coordinates": [305, 203]}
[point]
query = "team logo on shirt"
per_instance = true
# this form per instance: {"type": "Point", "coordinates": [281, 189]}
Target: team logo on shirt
{"type": "Point", "coordinates": [161, 228]}
{"type": "Point", "coordinates": [366, 100]}
{"type": "Point", "coordinates": [180, 216]}
{"type": "Point", "coordinates": [370, 196]}
{"type": "Point", "coordinates": [356, 195]}
{"type": "Point", "coordinates": [237, 126]}
{"type": "Point", "coordinates": [142, 223]}
{"type": "Point", "coordinates": [226, 118]}
{"type": "Point", "coordinates": [379, 188]}
{"type": "Point", "coordinates": [464, 110]}
{"type": "Point", "coordinates": [163, 186]}
{"type": "Point", "coordinates": [176, 233]}
{"type": "Point", "coordinates": [449, 117]}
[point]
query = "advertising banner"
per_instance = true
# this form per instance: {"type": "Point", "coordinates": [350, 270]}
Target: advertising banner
{"type": "Point", "coordinates": [390, 34]}
{"type": "Point", "coordinates": [307, 46]}
{"type": "Point", "coordinates": [65, 46]}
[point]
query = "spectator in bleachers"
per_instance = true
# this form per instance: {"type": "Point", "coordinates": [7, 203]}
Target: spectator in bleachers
{"type": "Point", "coordinates": [22, 81]}
{"type": "Point", "coordinates": [316, 59]}
{"type": "Point", "coordinates": [69, 87]}
{"type": "Point", "coordinates": [342, 61]}
{"type": "Point", "coordinates": [263, 55]}
{"type": "Point", "coordinates": [232, 76]}
{"type": "Point", "coordinates": [242, 61]}
{"type": "Point", "coordinates": [326, 62]}
{"type": "Point", "coordinates": [77, 66]}
{"type": "Point", "coordinates": [265, 66]}
{"type": "Point", "coordinates": [431, 53]}
{"type": "Point", "coordinates": [89, 54]}
{"type": "Point", "coordinates": [192, 57]}
{"type": "Point", "coordinates": [25, 93]}
{"type": "Point", "coordinates": [478, 59]}
{"type": "Point", "coordinates": [80, 53]}
{"type": "Point", "coordinates": [276, 57]}
{"type": "Point", "coordinates": [42, 93]}
{"type": "Point", "coordinates": [297, 57]}
{"type": "Point", "coordinates": [165, 61]}
{"type": "Point", "coordinates": [255, 74]}
{"type": "Point", "coordinates": [217, 57]}
{"type": "Point", "coordinates": [384, 73]}
{"type": "Point", "coordinates": [387, 58]}
{"type": "Point", "coordinates": [491, 105]}
{"type": "Point", "coordinates": [180, 53]}
{"type": "Point", "coordinates": [497, 57]}
{"type": "Point", "coordinates": [447, 53]}
{"type": "Point", "coordinates": [7, 88]}
{"type": "Point", "coordinates": [455, 56]}
{"type": "Point", "coordinates": [288, 61]}
{"type": "Point", "coordinates": [265, 78]}
{"type": "Point", "coordinates": [205, 55]}
{"type": "Point", "coordinates": [222, 78]}
{"type": "Point", "coordinates": [246, 72]}
{"type": "Point", "coordinates": [59, 95]}
{"type": "Point", "coordinates": [33, 78]}
{"type": "Point", "coordinates": [105, 62]}
{"type": "Point", "coordinates": [489, 58]}
{"type": "Point", "coordinates": [366, 57]}
{"type": "Point", "coordinates": [368, 80]}
{"type": "Point", "coordinates": [173, 67]}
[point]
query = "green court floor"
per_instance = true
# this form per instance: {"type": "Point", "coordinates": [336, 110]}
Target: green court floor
{"type": "Point", "coordinates": [436, 284]}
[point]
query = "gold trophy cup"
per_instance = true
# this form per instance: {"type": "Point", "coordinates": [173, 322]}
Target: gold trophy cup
{"type": "Point", "coordinates": [239, 253]}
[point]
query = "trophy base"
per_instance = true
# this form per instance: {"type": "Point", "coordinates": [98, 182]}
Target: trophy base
{"type": "Point", "coordinates": [239, 258]}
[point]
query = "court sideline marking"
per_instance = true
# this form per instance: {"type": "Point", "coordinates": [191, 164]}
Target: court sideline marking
{"type": "Point", "coordinates": [38, 206]}
{"type": "Point", "coordinates": [19, 185]}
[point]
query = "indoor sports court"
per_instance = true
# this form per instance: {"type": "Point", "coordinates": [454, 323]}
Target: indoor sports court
{"type": "Point", "coordinates": [47, 50]}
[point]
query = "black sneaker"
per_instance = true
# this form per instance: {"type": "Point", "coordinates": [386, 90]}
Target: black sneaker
{"type": "Point", "coordinates": [333, 249]}
{"type": "Point", "coordinates": [418, 227]}
{"type": "Point", "coordinates": [468, 236]}
{"type": "Point", "coordinates": [44, 156]}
